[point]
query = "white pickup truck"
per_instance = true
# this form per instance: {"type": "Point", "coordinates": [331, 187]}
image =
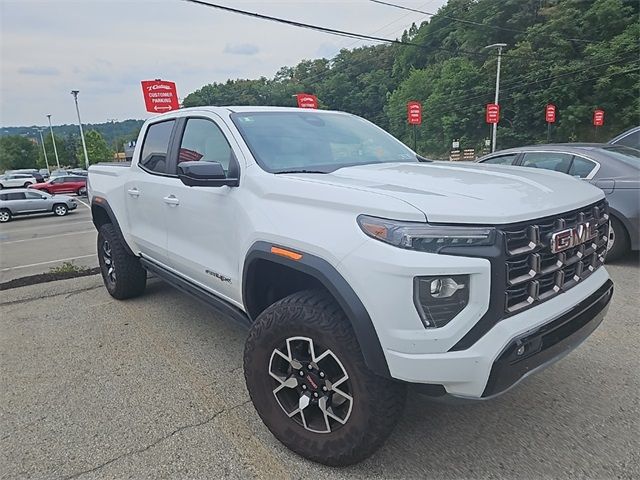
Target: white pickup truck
{"type": "Point", "coordinates": [358, 266]}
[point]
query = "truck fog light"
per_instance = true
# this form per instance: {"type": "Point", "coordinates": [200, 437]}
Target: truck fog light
{"type": "Point", "coordinates": [439, 299]}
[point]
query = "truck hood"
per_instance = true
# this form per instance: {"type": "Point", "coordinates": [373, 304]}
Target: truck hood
{"type": "Point", "coordinates": [468, 193]}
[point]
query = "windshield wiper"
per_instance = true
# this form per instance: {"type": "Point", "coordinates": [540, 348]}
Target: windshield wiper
{"type": "Point", "coordinates": [300, 171]}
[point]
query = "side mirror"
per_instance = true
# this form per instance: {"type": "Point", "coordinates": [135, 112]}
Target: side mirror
{"type": "Point", "coordinates": [204, 174]}
{"type": "Point", "coordinates": [43, 197]}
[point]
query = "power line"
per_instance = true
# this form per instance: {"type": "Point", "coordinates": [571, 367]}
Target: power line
{"type": "Point", "coordinates": [333, 31]}
{"type": "Point", "coordinates": [467, 22]}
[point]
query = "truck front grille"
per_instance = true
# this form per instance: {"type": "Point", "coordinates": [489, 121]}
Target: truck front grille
{"type": "Point", "coordinates": [534, 273]}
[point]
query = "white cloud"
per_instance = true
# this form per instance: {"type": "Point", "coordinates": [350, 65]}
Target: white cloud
{"type": "Point", "coordinates": [241, 49]}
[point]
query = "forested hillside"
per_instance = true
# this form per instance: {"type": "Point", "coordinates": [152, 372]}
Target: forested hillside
{"type": "Point", "coordinates": [577, 54]}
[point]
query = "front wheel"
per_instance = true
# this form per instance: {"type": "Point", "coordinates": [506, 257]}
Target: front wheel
{"type": "Point", "coordinates": [308, 382]}
{"type": "Point", "coordinates": [122, 272]}
{"type": "Point", "coordinates": [618, 243]}
{"type": "Point", "coordinates": [60, 209]}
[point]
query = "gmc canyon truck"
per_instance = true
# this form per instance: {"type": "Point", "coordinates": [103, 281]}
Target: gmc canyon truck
{"type": "Point", "coordinates": [358, 267]}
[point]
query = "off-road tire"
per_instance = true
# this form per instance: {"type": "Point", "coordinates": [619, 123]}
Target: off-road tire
{"type": "Point", "coordinates": [621, 241]}
{"type": "Point", "coordinates": [6, 215]}
{"type": "Point", "coordinates": [377, 402]}
{"type": "Point", "coordinates": [130, 278]}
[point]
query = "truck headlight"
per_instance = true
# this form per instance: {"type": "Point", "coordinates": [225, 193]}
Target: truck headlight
{"type": "Point", "coordinates": [424, 236]}
{"type": "Point", "coordinates": [439, 299]}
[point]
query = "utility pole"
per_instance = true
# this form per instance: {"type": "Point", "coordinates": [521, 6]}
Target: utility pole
{"type": "Point", "coordinates": [46, 160]}
{"type": "Point", "coordinates": [53, 139]}
{"type": "Point", "coordinates": [84, 145]}
{"type": "Point", "coordinates": [494, 133]}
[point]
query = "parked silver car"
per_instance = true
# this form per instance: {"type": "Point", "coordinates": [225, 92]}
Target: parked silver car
{"type": "Point", "coordinates": [613, 168]}
{"type": "Point", "coordinates": [24, 202]}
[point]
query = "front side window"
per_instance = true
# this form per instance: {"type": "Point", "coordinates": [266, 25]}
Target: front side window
{"type": "Point", "coordinates": [581, 167]}
{"type": "Point", "coordinates": [501, 159]}
{"type": "Point", "coordinates": [203, 141]}
{"type": "Point", "coordinates": [556, 161]}
{"type": "Point", "coordinates": [632, 140]}
{"type": "Point", "coordinates": [316, 142]}
{"type": "Point", "coordinates": [34, 195]}
{"type": "Point", "coordinates": [156, 147]}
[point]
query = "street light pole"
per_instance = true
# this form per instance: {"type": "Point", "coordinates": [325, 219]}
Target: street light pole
{"type": "Point", "coordinates": [84, 145]}
{"type": "Point", "coordinates": [46, 160]}
{"type": "Point", "coordinates": [494, 133]}
{"type": "Point", "coordinates": [53, 139]}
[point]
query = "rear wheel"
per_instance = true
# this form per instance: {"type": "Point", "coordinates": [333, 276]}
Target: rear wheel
{"type": "Point", "coordinates": [82, 191]}
{"type": "Point", "coordinates": [5, 215]}
{"type": "Point", "coordinates": [308, 382]}
{"type": "Point", "coordinates": [122, 272]}
{"type": "Point", "coordinates": [60, 209]}
{"type": "Point", "coordinates": [618, 240]}
{"type": "Point", "coordinates": [26, 184]}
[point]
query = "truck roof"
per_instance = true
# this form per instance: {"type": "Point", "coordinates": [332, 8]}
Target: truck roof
{"type": "Point", "coordinates": [242, 108]}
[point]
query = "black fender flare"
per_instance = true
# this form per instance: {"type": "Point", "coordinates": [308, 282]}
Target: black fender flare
{"type": "Point", "coordinates": [101, 203]}
{"type": "Point", "coordinates": [337, 286]}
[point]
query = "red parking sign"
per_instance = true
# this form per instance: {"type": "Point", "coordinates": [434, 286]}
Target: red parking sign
{"type": "Point", "coordinates": [160, 96]}
{"type": "Point", "coordinates": [550, 113]}
{"type": "Point", "coordinates": [598, 118]}
{"type": "Point", "coordinates": [493, 113]}
{"type": "Point", "coordinates": [306, 100]}
{"type": "Point", "coordinates": [414, 113]}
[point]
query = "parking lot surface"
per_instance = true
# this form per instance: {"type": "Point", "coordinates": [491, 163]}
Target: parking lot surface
{"type": "Point", "coordinates": [34, 244]}
{"type": "Point", "coordinates": [153, 388]}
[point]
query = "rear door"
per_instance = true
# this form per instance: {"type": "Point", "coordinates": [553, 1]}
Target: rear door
{"type": "Point", "coordinates": [17, 202]}
{"type": "Point", "coordinates": [148, 193]}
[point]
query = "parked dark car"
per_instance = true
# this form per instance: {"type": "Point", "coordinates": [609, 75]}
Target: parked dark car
{"type": "Point", "coordinates": [630, 138]}
{"type": "Point", "coordinates": [27, 201]}
{"type": "Point", "coordinates": [613, 168]}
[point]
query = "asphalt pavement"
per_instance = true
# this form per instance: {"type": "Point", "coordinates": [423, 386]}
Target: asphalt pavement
{"type": "Point", "coordinates": [36, 243]}
{"type": "Point", "coordinates": [153, 388]}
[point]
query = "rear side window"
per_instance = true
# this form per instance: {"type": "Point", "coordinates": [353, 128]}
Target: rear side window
{"type": "Point", "coordinates": [581, 167]}
{"type": "Point", "coordinates": [156, 147]}
{"type": "Point", "coordinates": [556, 161]}
{"type": "Point", "coordinates": [502, 159]}
{"type": "Point", "coordinates": [204, 141]}
{"type": "Point", "coordinates": [15, 196]}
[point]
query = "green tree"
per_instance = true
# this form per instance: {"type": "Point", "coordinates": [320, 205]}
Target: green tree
{"type": "Point", "coordinates": [17, 152]}
{"type": "Point", "coordinates": [97, 148]}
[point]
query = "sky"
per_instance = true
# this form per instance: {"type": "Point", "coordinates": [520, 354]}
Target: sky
{"type": "Point", "coordinates": [105, 48]}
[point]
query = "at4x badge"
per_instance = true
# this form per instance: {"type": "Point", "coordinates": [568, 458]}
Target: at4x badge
{"type": "Point", "coordinates": [571, 237]}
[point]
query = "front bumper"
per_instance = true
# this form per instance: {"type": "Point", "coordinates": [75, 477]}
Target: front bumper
{"type": "Point", "coordinates": [549, 342]}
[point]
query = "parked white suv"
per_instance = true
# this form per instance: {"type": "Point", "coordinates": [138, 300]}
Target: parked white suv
{"type": "Point", "coordinates": [358, 266]}
{"type": "Point", "coordinates": [9, 180]}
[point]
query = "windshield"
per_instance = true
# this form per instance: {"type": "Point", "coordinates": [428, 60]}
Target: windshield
{"type": "Point", "coordinates": [628, 155]}
{"type": "Point", "coordinates": [316, 142]}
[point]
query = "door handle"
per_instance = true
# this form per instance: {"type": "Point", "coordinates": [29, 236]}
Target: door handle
{"type": "Point", "coordinates": [134, 192]}
{"type": "Point", "coordinates": [171, 200]}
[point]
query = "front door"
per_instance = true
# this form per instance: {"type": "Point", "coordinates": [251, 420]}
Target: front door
{"type": "Point", "coordinates": [36, 202]}
{"type": "Point", "coordinates": [203, 240]}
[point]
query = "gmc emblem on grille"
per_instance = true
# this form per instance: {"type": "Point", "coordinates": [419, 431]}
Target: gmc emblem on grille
{"type": "Point", "coordinates": [571, 237]}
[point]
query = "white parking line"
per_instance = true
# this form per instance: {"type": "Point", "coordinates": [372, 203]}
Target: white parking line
{"type": "Point", "coordinates": [47, 237]}
{"type": "Point", "coordinates": [86, 205]}
{"type": "Point", "coordinates": [40, 226]}
{"type": "Point", "coordinates": [45, 263]}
